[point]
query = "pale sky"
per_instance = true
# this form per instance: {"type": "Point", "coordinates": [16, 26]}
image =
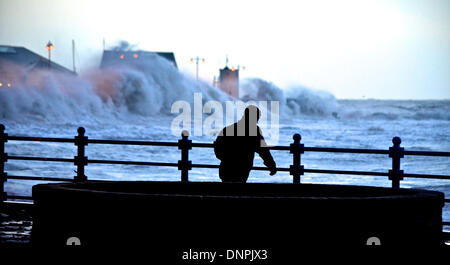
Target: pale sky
{"type": "Point", "coordinates": [396, 49]}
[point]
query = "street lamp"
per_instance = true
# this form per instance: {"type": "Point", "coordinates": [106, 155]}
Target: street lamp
{"type": "Point", "coordinates": [49, 48]}
{"type": "Point", "coordinates": [196, 60]}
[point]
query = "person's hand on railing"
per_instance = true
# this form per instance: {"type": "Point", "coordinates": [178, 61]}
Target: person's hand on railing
{"type": "Point", "coordinates": [273, 171]}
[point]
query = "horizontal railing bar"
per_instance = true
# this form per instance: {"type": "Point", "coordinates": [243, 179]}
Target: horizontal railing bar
{"type": "Point", "coordinates": [368, 173]}
{"type": "Point", "coordinates": [202, 145]}
{"type": "Point", "coordinates": [279, 147]}
{"type": "Point", "coordinates": [155, 143]}
{"type": "Point", "coordinates": [346, 150]}
{"type": "Point", "coordinates": [139, 163]}
{"type": "Point", "coordinates": [372, 151]}
{"type": "Point", "coordinates": [341, 150]}
{"type": "Point", "coordinates": [266, 169]}
{"type": "Point", "coordinates": [126, 142]}
{"type": "Point", "coordinates": [208, 145]}
{"type": "Point", "coordinates": [48, 159]}
{"type": "Point", "coordinates": [38, 178]}
{"type": "Point", "coordinates": [40, 139]}
{"type": "Point", "coordinates": [217, 166]}
{"type": "Point", "coordinates": [19, 197]}
{"type": "Point", "coordinates": [205, 166]}
{"type": "Point", "coordinates": [425, 176]}
{"type": "Point", "coordinates": [427, 153]}
{"type": "Point", "coordinates": [346, 172]}
{"type": "Point", "coordinates": [445, 223]}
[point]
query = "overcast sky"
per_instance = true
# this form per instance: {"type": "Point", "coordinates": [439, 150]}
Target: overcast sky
{"type": "Point", "coordinates": [397, 49]}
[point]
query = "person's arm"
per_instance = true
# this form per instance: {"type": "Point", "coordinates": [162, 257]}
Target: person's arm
{"type": "Point", "coordinates": [265, 154]}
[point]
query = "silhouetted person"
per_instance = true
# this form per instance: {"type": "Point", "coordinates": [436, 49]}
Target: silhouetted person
{"type": "Point", "coordinates": [236, 145]}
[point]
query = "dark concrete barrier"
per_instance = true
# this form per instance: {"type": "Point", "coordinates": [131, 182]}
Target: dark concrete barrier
{"type": "Point", "coordinates": [167, 216]}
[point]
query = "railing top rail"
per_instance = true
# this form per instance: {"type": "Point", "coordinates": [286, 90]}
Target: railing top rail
{"type": "Point", "coordinates": [211, 145]}
{"type": "Point", "coordinates": [205, 145]}
{"type": "Point", "coordinates": [37, 158]}
{"type": "Point", "coordinates": [426, 153]}
{"type": "Point", "coordinates": [131, 142]}
{"type": "Point", "coordinates": [40, 139]}
{"type": "Point", "coordinates": [346, 150]}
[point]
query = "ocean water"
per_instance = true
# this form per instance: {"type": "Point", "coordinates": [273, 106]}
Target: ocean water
{"type": "Point", "coordinates": [135, 103]}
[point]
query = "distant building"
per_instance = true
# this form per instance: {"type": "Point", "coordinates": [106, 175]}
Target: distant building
{"type": "Point", "coordinates": [118, 57]}
{"type": "Point", "coordinates": [12, 56]}
{"type": "Point", "coordinates": [229, 81]}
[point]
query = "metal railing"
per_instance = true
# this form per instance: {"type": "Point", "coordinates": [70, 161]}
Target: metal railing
{"type": "Point", "coordinates": [394, 174]}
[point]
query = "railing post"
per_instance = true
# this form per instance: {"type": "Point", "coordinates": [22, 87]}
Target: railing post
{"type": "Point", "coordinates": [81, 160]}
{"type": "Point", "coordinates": [296, 169]}
{"type": "Point", "coordinates": [3, 159]}
{"type": "Point", "coordinates": [396, 152]}
{"type": "Point", "coordinates": [184, 164]}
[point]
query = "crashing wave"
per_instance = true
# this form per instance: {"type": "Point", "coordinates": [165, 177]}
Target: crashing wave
{"type": "Point", "coordinates": [297, 100]}
{"type": "Point", "coordinates": [145, 88]}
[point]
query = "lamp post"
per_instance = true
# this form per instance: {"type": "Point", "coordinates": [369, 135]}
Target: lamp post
{"type": "Point", "coordinates": [49, 48]}
{"type": "Point", "coordinates": [197, 60]}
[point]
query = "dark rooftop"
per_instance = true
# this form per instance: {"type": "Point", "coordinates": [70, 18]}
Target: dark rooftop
{"type": "Point", "coordinates": [23, 57]}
